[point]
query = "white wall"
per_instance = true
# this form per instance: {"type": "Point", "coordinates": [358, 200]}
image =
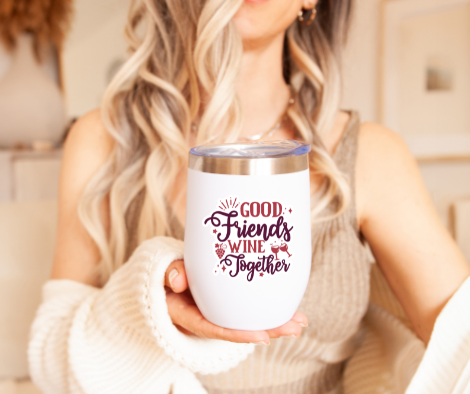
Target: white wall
{"type": "Point", "coordinates": [95, 43]}
{"type": "Point", "coordinates": [361, 62]}
{"type": "Point", "coordinates": [447, 183]}
{"type": "Point", "coordinates": [440, 40]}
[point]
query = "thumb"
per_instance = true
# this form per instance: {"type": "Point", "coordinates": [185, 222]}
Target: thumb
{"type": "Point", "coordinates": [175, 276]}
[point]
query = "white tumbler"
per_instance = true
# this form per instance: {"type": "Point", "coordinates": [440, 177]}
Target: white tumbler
{"type": "Point", "coordinates": [247, 245]}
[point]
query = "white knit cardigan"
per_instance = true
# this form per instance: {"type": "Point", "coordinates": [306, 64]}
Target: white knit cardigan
{"type": "Point", "coordinates": [120, 339]}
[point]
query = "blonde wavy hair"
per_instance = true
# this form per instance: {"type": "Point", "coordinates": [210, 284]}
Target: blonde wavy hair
{"type": "Point", "coordinates": [184, 63]}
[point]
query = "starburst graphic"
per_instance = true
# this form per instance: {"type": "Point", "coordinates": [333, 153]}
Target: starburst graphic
{"type": "Point", "coordinates": [228, 203]}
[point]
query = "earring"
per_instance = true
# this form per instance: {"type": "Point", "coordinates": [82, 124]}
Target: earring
{"type": "Point", "coordinates": [307, 21]}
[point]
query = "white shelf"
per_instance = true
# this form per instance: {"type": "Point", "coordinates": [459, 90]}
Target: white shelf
{"type": "Point", "coordinates": [29, 175]}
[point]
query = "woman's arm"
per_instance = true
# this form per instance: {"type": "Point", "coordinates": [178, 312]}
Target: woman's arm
{"type": "Point", "coordinates": [86, 149]}
{"type": "Point", "coordinates": [420, 260]}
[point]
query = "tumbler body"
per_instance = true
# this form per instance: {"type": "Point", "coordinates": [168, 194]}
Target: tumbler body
{"type": "Point", "coordinates": [248, 241]}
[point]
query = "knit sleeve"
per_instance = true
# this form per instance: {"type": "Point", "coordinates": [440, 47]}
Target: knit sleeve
{"type": "Point", "coordinates": [445, 367]}
{"type": "Point", "coordinates": [120, 339]}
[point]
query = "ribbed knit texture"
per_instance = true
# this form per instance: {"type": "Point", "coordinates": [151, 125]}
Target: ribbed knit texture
{"type": "Point", "coordinates": [382, 295]}
{"type": "Point", "coordinates": [445, 367]}
{"type": "Point", "coordinates": [387, 359]}
{"type": "Point", "coordinates": [120, 339]}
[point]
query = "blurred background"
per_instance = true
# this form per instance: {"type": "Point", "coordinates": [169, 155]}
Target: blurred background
{"type": "Point", "coordinates": [407, 65]}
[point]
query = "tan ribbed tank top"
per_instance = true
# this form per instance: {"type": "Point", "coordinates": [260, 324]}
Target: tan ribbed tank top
{"type": "Point", "coordinates": [335, 302]}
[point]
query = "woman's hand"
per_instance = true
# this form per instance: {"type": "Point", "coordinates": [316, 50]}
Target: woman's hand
{"type": "Point", "coordinates": [186, 316]}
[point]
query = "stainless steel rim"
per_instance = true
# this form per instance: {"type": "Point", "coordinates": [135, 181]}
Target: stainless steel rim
{"type": "Point", "coordinates": [249, 166]}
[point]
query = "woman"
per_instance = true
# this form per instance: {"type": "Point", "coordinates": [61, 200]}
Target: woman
{"type": "Point", "coordinates": [196, 67]}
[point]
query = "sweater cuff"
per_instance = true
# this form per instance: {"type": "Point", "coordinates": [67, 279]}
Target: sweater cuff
{"type": "Point", "coordinates": [197, 354]}
{"type": "Point", "coordinates": [65, 288]}
{"type": "Point", "coordinates": [445, 366]}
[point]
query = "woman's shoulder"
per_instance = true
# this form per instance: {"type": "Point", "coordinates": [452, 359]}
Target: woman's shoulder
{"type": "Point", "coordinates": [88, 144]}
{"type": "Point", "coordinates": [87, 147]}
{"type": "Point", "coordinates": [380, 146]}
{"type": "Point", "coordinates": [89, 133]}
{"type": "Point", "coordinates": [384, 164]}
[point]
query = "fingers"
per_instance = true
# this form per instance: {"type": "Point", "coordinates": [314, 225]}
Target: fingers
{"type": "Point", "coordinates": [239, 336]}
{"type": "Point", "coordinates": [292, 328]}
{"type": "Point", "coordinates": [175, 276]}
{"type": "Point", "coordinates": [185, 314]}
{"type": "Point", "coordinates": [190, 318]}
{"type": "Point", "coordinates": [301, 319]}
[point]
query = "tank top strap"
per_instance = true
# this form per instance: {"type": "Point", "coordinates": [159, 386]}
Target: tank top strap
{"type": "Point", "coordinates": [346, 150]}
{"type": "Point", "coordinates": [345, 158]}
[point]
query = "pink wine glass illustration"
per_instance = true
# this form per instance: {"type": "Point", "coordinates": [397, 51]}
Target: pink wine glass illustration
{"type": "Point", "coordinates": [284, 248]}
{"type": "Point", "coordinates": [275, 249]}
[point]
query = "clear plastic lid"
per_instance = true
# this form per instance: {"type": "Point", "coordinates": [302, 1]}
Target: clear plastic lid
{"type": "Point", "coordinates": [253, 149]}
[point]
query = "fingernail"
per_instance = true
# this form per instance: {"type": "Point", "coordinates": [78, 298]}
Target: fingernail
{"type": "Point", "coordinates": [301, 322]}
{"type": "Point", "coordinates": [172, 275]}
{"type": "Point", "coordinates": [260, 343]}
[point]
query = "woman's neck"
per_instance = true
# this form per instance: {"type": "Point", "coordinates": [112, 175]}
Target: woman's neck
{"type": "Point", "coordinates": [261, 87]}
